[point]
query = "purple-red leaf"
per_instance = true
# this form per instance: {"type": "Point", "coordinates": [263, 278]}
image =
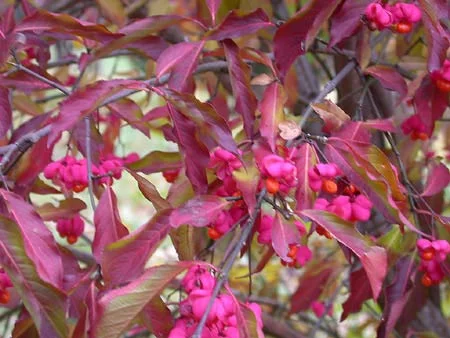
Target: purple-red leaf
{"type": "Point", "coordinates": [272, 113]}
{"type": "Point", "coordinates": [158, 319]}
{"type": "Point", "coordinates": [157, 161]}
{"type": "Point", "coordinates": [240, 74]}
{"type": "Point", "coordinates": [389, 78]}
{"type": "Point", "coordinates": [305, 159]}
{"type": "Point", "coordinates": [130, 111]}
{"type": "Point", "coordinates": [199, 211]}
{"type": "Point", "coordinates": [436, 36]}
{"type": "Point", "coordinates": [5, 112]}
{"type": "Point", "coordinates": [66, 208]}
{"type": "Point", "coordinates": [108, 226]}
{"type": "Point", "coordinates": [213, 6]}
{"type": "Point", "coordinates": [236, 25]}
{"type": "Point", "coordinates": [283, 234]}
{"type": "Point", "coordinates": [181, 60]}
{"type": "Point", "coordinates": [86, 100]}
{"type": "Point", "coordinates": [396, 296]}
{"type": "Point", "coordinates": [438, 180]}
{"type": "Point", "coordinates": [212, 127]}
{"type": "Point", "coordinates": [333, 116]}
{"type": "Point", "coordinates": [125, 259]}
{"type": "Point", "coordinates": [294, 37]}
{"type": "Point", "coordinates": [346, 20]}
{"type": "Point", "coordinates": [360, 291]}
{"type": "Point", "coordinates": [430, 103]}
{"type": "Point", "coordinates": [39, 243]}
{"type": "Point", "coordinates": [195, 152]}
{"type": "Point", "coordinates": [311, 285]}
{"type": "Point", "coordinates": [150, 192]}
{"type": "Point", "coordinates": [119, 307]}
{"type": "Point", "coordinates": [373, 258]}
{"type": "Point", "coordinates": [45, 303]}
{"type": "Point", "coordinates": [43, 21]}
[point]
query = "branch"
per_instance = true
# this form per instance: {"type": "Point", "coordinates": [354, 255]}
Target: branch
{"type": "Point", "coordinates": [223, 276]}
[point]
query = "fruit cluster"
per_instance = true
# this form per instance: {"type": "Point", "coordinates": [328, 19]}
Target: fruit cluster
{"type": "Point", "coordinates": [224, 163]}
{"type": "Point", "coordinates": [338, 195]}
{"type": "Point", "coordinates": [432, 255]}
{"type": "Point", "coordinates": [70, 228]}
{"type": "Point", "coordinates": [222, 320]}
{"type": "Point", "coordinates": [399, 17]}
{"type": "Point", "coordinates": [72, 173]}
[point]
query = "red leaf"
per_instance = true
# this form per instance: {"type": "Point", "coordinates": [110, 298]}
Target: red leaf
{"type": "Point", "coordinates": [157, 161]}
{"type": "Point", "coordinates": [5, 112]}
{"type": "Point", "coordinates": [46, 304]}
{"type": "Point", "coordinates": [150, 192]}
{"type": "Point", "coordinates": [360, 291]}
{"type": "Point", "coordinates": [373, 258]}
{"type": "Point", "coordinates": [438, 180]}
{"type": "Point", "coordinates": [236, 25]}
{"type": "Point", "coordinates": [195, 153]}
{"type": "Point", "coordinates": [65, 209]}
{"type": "Point", "coordinates": [333, 116]}
{"type": "Point", "coordinates": [131, 299]}
{"type": "Point", "coordinates": [346, 20]}
{"type": "Point", "coordinates": [305, 159]}
{"type": "Point", "coordinates": [181, 60]}
{"type": "Point", "coordinates": [436, 37]}
{"type": "Point", "coordinates": [125, 259]}
{"type": "Point", "coordinates": [389, 78]}
{"type": "Point", "coordinates": [130, 111]}
{"type": "Point", "coordinates": [272, 113]}
{"type": "Point", "coordinates": [86, 100]}
{"type": "Point", "coordinates": [283, 234]}
{"type": "Point", "coordinates": [199, 211]}
{"type": "Point", "coordinates": [43, 21]}
{"type": "Point", "coordinates": [430, 103]}
{"type": "Point", "coordinates": [158, 319]}
{"type": "Point", "coordinates": [294, 37]}
{"type": "Point", "coordinates": [26, 82]}
{"type": "Point", "coordinates": [212, 128]}
{"type": "Point", "coordinates": [213, 6]}
{"type": "Point", "coordinates": [396, 296]}
{"type": "Point", "coordinates": [108, 226]}
{"type": "Point", "coordinates": [149, 45]}
{"type": "Point", "coordinates": [240, 74]}
{"type": "Point", "coordinates": [310, 287]}
{"type": "Point", "coordinates": [39, 243]}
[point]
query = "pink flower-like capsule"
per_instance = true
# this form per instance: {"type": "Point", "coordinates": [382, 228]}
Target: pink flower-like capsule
{"type": "Point", "coordinates": [405, 15]}
{"type": "Point", "coordinates": [378, 16]}
{"type": "Point", "coordinates": [361, 208]}
{"type": "Point", "coordinates": [280, 174]}
{"type": "Point", "coordinates": [71, 228]}
{"type": "Point", "coordinates": [319, 309]}
{"type": "Point", "coordinates": [414, 126]}
{"type": "Point", "coordinates": [300, 255]}
{"type": "Point", "coordinates": [441, 77]}
{"type": "Point", "coordinates": [198, 277]}
{"type": "Point", "coordinates": [224, 163]}
{"type": "Point", "coordinates": [322, 177]}
{"type": "Point", "coordinates": [264, 227]}
{"type": "Point", "coordinates": [432, 254]}
{"type": "Point", "coordinates": [5, 282]}
{"type": "Point", "coordinates": [199, 300]}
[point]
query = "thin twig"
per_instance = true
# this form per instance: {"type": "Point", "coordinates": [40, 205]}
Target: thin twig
{"type": "Point", "coordinates": [223, 276]}
{"type": "Point", "coordinates": [87, 125]}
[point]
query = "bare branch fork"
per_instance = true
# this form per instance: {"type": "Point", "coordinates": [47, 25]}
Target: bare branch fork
{"type": "Point", "coordinates": [223, 276]}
